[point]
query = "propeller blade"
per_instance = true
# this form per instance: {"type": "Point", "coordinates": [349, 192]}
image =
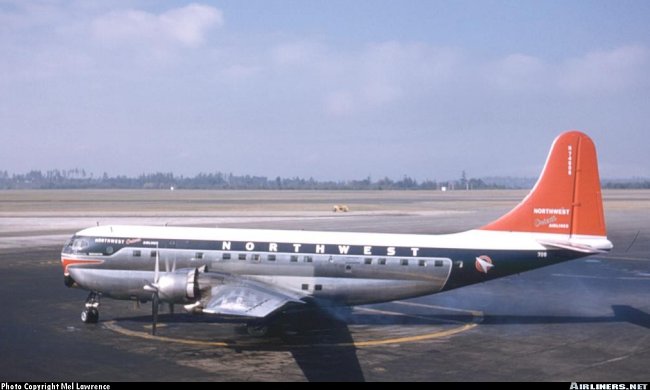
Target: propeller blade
{"type": "Point", "coordinates": [154, 312]}
{"type": "Point", "coordinates": [156, 273]}
{"type": "Point", "coordinates": [171, 308]}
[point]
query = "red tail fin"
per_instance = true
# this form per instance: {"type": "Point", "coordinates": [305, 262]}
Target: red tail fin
{"type": "Point", "coordinates": [566, 198]}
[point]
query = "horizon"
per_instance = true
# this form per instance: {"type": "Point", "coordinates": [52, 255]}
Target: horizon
{"type": "Point", "coordinates": [80, 174]}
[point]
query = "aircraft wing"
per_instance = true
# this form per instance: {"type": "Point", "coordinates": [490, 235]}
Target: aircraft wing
{"type": "Point", "coordinates": [246, 298]}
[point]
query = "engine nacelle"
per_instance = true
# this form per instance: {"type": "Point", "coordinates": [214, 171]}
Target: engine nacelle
{"type": "Point", "coordinates": [179, 286]}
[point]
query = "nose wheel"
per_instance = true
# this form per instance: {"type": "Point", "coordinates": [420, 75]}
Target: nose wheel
{"type": "Point", "coordinates": [90, 313]}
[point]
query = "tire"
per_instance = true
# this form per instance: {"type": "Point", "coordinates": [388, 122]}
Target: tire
{"type": "Point", "coordinates": [90, 316]}
{"type": "Point", "coordinates": [257, 330]}
{"type": "Point", "coordinates": [94, 315]}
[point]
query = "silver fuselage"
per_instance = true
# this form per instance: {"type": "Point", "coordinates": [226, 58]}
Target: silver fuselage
{"type": "Point", "coordinates": [346, 268]}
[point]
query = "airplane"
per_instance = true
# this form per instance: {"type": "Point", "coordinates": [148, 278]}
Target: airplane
{"type": "Point", "coordinates": [254, 274]}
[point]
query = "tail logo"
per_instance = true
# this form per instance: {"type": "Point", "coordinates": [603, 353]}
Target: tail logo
{"type": "Point", "coordinates": [483, 264]}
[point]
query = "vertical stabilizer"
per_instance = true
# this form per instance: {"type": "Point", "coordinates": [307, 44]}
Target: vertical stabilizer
{"type": "Point", "coordinates": [566, 198]}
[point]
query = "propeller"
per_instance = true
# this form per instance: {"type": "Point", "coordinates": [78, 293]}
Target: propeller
{"type": "Point", "coordinates": [154, 288]}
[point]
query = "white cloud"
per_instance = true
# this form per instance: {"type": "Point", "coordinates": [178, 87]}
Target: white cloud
{"type": "Point", "coordinates": [374, 76]}
{"type": "Point", "coordinates": [187, 26]}
{"type": "Point", "coordinates": [606, 71]}
{"type": "Point", "coordinates": [390, 74]}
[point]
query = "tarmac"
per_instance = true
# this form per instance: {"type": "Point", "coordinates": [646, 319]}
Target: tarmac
{"type": "Point", "coordinates": [584, 320]}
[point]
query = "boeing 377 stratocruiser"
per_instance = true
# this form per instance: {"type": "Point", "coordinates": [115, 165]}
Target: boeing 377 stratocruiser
{"type": "Point", "coordinates": [252, 274]}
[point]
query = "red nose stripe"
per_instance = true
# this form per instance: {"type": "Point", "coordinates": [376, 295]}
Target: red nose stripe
{"type": "Point", "coordinates": [68, 262]}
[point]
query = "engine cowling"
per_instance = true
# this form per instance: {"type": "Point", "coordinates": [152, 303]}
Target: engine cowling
{"type": "Point", "coordinates": [179, 286]}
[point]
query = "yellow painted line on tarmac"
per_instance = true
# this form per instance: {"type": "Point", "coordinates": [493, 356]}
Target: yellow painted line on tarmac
{"type": "Point", "coordinates": [412, 339]}
{"type": "Point", "coordinates": [112, 325]}
{"type": "Point", "coordinates": [143, 335]}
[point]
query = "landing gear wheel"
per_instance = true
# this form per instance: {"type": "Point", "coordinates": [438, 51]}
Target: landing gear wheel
{"type": "Point", "coordinates": [90, 315]}
{"type": "Point", "coordinates": [257, 330]}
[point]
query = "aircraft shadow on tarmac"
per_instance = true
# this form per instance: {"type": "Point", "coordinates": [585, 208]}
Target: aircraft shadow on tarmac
{"type": "Point", "coordinates": [322, 345]}
{"type": "Point", "coordinates": [629, 314]}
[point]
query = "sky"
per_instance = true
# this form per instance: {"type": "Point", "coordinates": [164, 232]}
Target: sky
{"type": "Point", "coordinates": [334, 90]}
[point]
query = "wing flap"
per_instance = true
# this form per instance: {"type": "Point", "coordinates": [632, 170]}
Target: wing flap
{"type": "Point", "coordinates": [246, 299]}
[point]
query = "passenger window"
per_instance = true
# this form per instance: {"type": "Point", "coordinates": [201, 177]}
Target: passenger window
{"type": "Point", "coordinates": [152, 254]}
{"type": "Point", "coordinates": [382, 261]}
{"type": "Point", "coordinates": [271, 258]}
{"type": "Point", "coordinates": [256, 257]}
{"type": "Point", "coordinates": [305, 287]}
{"type": "Point", "coordinates": [198, 255]}
{"type": "Point", "coordinates": [225, 256]}
{"type": "Point", "coordinates": [404, 262]}
{"type": "Point", "coordinates": [438, 263]}
{"type": "Point", "coordinates": [318, 287]}
{"type": "Point", "coordinates": [367, 260]}
{"type": "Point", "coordinates": [308, 259]}
{"type": "Point", "coordinates": [242, 256]}
{"type": "Point", "coordinates": [136, 253]}
{"type": "Point", "coordinates": [422, 263]}
{"type": "Point", "coordinates": [294, 258]}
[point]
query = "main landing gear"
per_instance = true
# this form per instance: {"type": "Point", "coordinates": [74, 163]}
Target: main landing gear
{"type": "Point", "coordinates": [90, 313]}
{"type": "Point", "coordinates": [257, 328]}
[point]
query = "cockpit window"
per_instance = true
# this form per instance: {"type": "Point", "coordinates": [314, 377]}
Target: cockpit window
{"type": "Point", "coordinates": [80, 244]}
{"type": "Point", "coordinates": [67, 247]}
{"type": "Point", "coordinates": [92, 245]}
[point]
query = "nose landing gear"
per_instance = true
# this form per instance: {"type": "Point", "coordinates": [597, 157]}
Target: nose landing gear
{"type": "Point", "coordinates": [90, 313]}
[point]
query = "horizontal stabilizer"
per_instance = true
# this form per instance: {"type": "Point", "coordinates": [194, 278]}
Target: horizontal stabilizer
{"type": "Point", "coordinates": [572, 246]}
